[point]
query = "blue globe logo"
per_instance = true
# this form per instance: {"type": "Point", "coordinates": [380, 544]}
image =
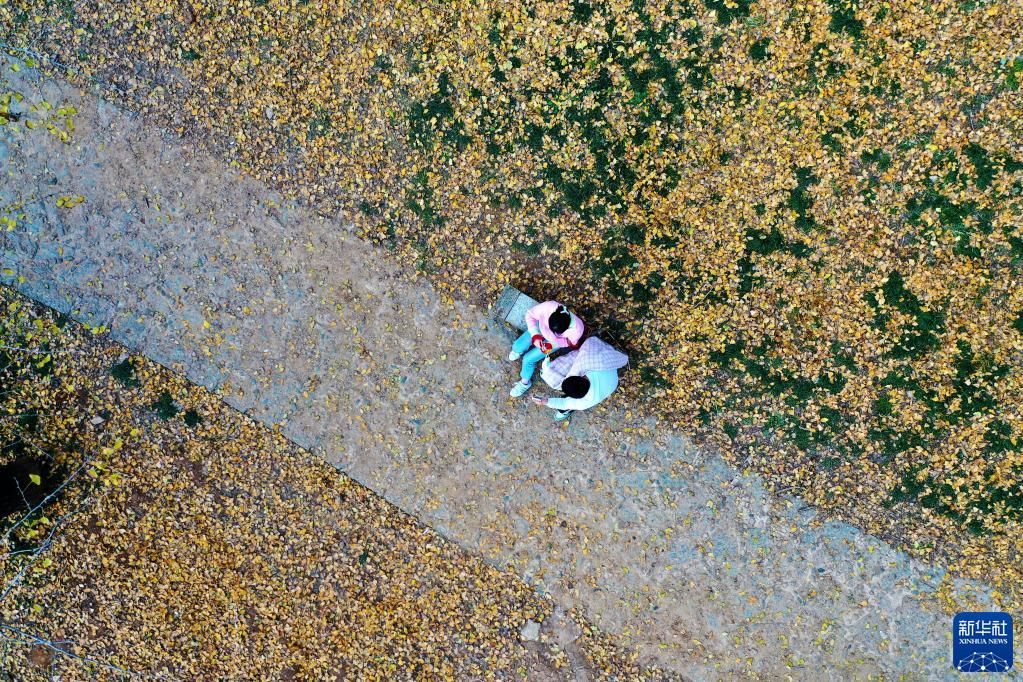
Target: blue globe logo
{"type": "Point", "coordinates": [983, 663]}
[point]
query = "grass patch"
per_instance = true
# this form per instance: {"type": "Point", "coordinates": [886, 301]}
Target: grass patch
{"type": "Point", "coordinates": [729, 10]}
{"type": "Point", "coordinates": [758, 51]}
{"type": "Point", "coordinates": [843, 18]}
{"type": "Point", "coordinates": [923, 335]}
{"type": "Point", "coordinates": [437, 113]}
{"type": "Point", "coordinates": [320, 125]}
{"type": "Point", "coordinates": [124, 372]}
{"type": "Point", "coordinates": [165, 407]}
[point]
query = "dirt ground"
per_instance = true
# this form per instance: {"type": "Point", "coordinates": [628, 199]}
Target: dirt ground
{"type": "Point", "coordinates": [300, 324]}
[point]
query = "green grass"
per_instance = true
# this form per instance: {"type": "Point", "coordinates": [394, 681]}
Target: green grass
{"type": "Point", "coordinates": [800, 200]}
{"type": "Point", "coordinates": [124, 372]}
{"type": "Point", "coordinates": [843, 18]}
{"type": "Point", "coordinates": [758, 50]}
{"type": "Point", "coordinates": [1013, 71]}
{"type": "Point", "coordinates": [883, 405]}
{"type": "Point", "coordinates": [729, 10]}
{"type": "Point", "coordinates": [164, 407]}
{"type": "Point", "coordinates": [420, 201]}
{"type": "Point", "coordinates": [972, 382]}
{"type": "Point", "coordinates": [984, 168]}
{"type": "Point", "coordinates": [923, 335]}
{"type": "Point", "coordinates": [992, 504]}
{"type": "Point", "coordinates": [67, 9]}
{"type": "Point", "coordinates": [437, 114]}
{"type": "Point", "coordinates": [764, 244]}
{"type": "Point", "coordinates": [877, 157]}
{"type": "Point", "coordinates": [320, 125]}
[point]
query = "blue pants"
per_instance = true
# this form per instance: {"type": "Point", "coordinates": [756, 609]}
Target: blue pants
{"type": "Point", "coordinates": [531, 355]}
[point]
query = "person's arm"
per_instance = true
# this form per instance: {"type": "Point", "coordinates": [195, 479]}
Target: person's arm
{"type": "Point", "coordinates": [583, 403]}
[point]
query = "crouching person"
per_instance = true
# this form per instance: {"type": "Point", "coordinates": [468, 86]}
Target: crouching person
{"type": "Point", "coordinates": [586, 376]}
{"type": "Point", "coordinates": [549, 326]}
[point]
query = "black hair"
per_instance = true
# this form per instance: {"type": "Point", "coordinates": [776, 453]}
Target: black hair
{"type": "Point", "coordinates": [575, 387]}
{"type": "Point", "coordinates": [559, 320]}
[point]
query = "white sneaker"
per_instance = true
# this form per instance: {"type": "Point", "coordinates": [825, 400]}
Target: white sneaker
{"type": "Point", "coordinates": [513, 356]}
{"type": "Point", "coordinates": [519, 388]}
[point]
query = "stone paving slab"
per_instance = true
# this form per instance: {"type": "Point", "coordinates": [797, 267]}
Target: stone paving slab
{"type": "Point", "coordinates": [301, 324]}
{"type": "Point", "coordinates": [511, 307]}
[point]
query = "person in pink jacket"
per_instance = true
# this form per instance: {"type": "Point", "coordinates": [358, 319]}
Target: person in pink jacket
{"type": "Point", "coordinates": [549, 326]}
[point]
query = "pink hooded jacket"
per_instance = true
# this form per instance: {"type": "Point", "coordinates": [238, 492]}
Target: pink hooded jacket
{"type": "Point", "coordinates": [536, 323]}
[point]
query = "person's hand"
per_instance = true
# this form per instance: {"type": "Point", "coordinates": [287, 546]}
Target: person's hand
{"type": "Point", "coordinates": [539, 400]}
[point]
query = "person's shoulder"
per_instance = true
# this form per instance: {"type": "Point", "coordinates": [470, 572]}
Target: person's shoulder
{"type": "Point", "coordinates": [604, 378]}
{"type": "Point", "coordinates": [544, 307]}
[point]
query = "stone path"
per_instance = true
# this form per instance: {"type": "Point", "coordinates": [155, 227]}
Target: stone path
{"type": "Point", "coordinates": [301, 324]}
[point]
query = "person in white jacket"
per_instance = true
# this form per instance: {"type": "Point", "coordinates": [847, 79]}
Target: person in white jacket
{"type": "Point", "coordinates": [586, 376]}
